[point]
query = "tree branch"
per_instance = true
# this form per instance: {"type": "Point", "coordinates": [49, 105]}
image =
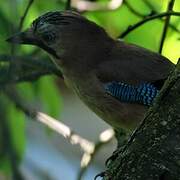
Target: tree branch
{"type": "Point", "coordinates": [149, 18]}
{"type": "Point", "coordinates": [104, 138]}
{"type": "Point", "coordinates": [55, 125]}
{"type": "Point", "coordinates": [24, 15]}
{"type": "Point", "coordinates": [128, 5]}
{"type": "Point", "coordinates": [29, 69]}
{"type": "Point", "coordinates": [68, 5]}
{"type": "Point", "coordinates": [89, 148]}
{"type": "Point", "coordinates": [152, 151]}
{"type": "Point", "coordinates": [154, 11]}
{"type": "Point", "coordinates": [166, 25]}
{"type": "Point", "coordinates": [14, 65]}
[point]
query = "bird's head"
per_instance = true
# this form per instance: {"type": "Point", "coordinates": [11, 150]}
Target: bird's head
{"type": "Point", "coordinates": [61, 33]}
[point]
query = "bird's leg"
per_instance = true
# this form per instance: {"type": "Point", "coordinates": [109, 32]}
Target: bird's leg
{"type": "Point", "coordinates": [122, 137]}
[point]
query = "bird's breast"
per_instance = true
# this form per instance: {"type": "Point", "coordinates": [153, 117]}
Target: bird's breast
{"type": "Point", "coordinates": [118, 114]}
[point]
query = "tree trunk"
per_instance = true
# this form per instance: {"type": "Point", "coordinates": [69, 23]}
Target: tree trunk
{"type": "Point", "coordinates": [153, 150]}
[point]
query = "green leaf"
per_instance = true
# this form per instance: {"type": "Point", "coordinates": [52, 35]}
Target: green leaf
{"type": "Point", "coordinates": [49, 95]}
{"type": "Point", "coordinates": [26, 90]}
{"type": "Point", "coordinates": [17, 130]}
{"type": "Point", "coordinates": [12, 138]}
{"type": "Point", "coordinates": [5, 166]}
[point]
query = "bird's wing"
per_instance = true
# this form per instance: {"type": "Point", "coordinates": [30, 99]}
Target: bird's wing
{"type": "Point", "coordinates": [136, 76]}
{"type": "Point", "coordinates": [134, 65]}
{"type": "Point", "coordinates": [142, 94]}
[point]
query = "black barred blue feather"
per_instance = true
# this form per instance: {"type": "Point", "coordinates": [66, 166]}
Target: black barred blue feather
{"type": "Point", "coordinates": [142, 94]}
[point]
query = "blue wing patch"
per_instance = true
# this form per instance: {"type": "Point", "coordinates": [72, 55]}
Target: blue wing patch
{"type": "Point", "coordinates": [142, 94]}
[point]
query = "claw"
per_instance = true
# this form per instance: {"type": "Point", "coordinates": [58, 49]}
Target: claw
{"type": "Point", "coordinates": [101, 175]}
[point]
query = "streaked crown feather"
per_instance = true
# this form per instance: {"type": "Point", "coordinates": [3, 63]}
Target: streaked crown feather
{"type": "Point", "coordinates": [57, 18]}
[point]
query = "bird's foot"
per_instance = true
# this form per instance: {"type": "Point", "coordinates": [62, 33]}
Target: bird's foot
{"type": "Point", "coordinates": [100, 175]}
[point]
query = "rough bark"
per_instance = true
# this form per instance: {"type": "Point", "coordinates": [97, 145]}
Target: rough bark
{"type": "Point", "coordinates": [153, 151]}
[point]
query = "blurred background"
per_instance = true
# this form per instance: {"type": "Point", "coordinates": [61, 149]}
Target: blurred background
{"type": "Point", "coordinates": [29, 149]}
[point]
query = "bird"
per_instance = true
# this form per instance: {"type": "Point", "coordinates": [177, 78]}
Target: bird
{"type": "Point", "coordinates": [118, 81]}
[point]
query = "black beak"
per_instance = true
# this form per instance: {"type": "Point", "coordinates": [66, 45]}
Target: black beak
{"type": "Point", "coordinates": [25, 37]}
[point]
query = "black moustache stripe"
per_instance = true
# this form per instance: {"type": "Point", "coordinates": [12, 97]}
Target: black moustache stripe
{"type": "Point", "coordinates": [48, 49]}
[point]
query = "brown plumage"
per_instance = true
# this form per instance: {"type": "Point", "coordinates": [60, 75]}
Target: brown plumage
{"type": "Point", "coordinates": [89, 58]}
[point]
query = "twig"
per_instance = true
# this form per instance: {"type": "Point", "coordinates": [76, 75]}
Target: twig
{"type": "Point", "coordinates": [62, 129]}
{"type": "Point", "coordinates": [135, 12]}
{"type": "Point", "coordinates": [104, 138]}
{"type": "Point", "coordinates": [40, 63]}
{"type": "Point", "coordinates": [153, 12]}
{"type": "Point", "coordinates": [167, 21]}
{"type": "Point", "coordinates": [149, 4]}
{"type": "Point", "coordinates": [14, 65]}
{"type": "Point", "coordinates": [68, 5]}
{"type": "Point", "coordinates": [156, 12]}
{"type": "Point", "coordinates": [149, 18]}
{"type": "Point", "coordinates": [57, 126]}
{"type": "Point", "coordinates": [25, 14]}
{"type": "Point", "coordinates": [30, 69]}
{"type": "Point", "coordinates": [89, 148]}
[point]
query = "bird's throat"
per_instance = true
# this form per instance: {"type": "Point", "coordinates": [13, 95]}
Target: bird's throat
{"type": "Point", "coordinates": [49, 50]}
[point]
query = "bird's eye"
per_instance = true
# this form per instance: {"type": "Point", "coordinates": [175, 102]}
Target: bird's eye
{"type": "Point", "coordinates": [48, 37]}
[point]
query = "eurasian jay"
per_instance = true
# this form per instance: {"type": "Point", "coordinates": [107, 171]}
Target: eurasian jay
{"type": "Point", "coordinates": [116, 80]}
